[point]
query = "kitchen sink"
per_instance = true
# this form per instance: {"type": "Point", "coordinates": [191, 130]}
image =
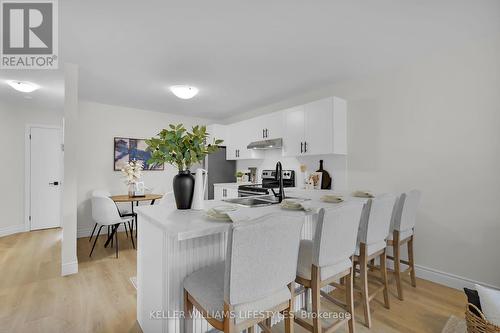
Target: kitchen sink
{"type": "Point", "coordinates": [257, 201]}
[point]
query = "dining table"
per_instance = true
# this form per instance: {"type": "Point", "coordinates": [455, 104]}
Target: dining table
{"type": "Point", "coordinates": [125, 198]}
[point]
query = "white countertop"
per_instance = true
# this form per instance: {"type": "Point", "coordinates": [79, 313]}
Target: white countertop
{"type": "Point", "coordinates": [233, 185]}
{"type": "Point", "coordinates": [188, 224]}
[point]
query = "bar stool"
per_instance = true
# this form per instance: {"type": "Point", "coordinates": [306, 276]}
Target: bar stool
{"type": "Point", "coordinates": [254, 282]}
{"type": "Point", "coordinates": [402, 232]}
{"type": "Point", "coordinates": [372, 235]}
{"type": "Point", "coordinates": [327, 258]}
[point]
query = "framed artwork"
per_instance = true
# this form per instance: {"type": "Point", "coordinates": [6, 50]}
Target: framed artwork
{"type": "Point", "coordinates": [315, 180]}
{"type": "Point", "coordinates": [127, 149]}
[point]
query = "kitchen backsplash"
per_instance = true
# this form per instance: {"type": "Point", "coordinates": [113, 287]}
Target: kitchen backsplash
{"type": "Point", "coordinates": [336, 165]}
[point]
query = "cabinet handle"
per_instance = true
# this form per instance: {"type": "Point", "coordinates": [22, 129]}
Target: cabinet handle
{"type": "Point", "coordinates": [263, 133]}
{"type": "Point", "coordinates": [301, 147]}
{"type": "Point", "coordinates": [267, 133]}
{"type": "Point", "coordinates": [305, 146]}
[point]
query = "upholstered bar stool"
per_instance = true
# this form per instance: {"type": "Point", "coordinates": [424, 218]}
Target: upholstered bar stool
{"type": "Point", "coordinates": [255, 281]}
{"type": "Point", "coordinates": [372, 235]}
{"type": "Point", "coordinates": [402, 232]}
{"type": "Point", "coordinates": [327, 258]}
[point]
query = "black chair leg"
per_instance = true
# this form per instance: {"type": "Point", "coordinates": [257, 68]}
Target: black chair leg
{"type": "Point", "coordinates": [116, 236]}
{"type": "Point", "coordinates": [131, 233]}
{"type": "Point", "coordinates": [93, 230]}
{"type": "Point", "coordinates": [126, 232]}
{"type": "Point", "coordinates": [95, 241]}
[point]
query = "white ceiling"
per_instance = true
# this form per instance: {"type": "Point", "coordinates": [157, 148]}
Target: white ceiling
{"type": "Point", "coordinates": [247, 54]}
{"type": "Point", "coordinates": [49, 96]}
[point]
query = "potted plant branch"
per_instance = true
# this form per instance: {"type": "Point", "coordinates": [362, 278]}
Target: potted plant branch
{"type": "Point", "coordinates": [181, 148]}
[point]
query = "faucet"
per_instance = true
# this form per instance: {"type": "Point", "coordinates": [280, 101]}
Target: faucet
{"type": "Point", "coordinates": [278, 175]}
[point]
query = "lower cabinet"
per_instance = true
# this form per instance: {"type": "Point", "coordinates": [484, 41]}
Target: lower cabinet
{"type": "Point", "coordinates": [221, 193]}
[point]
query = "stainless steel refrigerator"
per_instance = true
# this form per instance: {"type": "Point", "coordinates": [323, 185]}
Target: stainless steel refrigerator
{"type": "Point", "coordinates": [219, 170]}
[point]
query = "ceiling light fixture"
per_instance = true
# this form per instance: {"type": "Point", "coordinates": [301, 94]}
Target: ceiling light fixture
{"type": "Point", "coordinates": [184, 92]}
{"type": "Point", "coordinates": [23, 86]}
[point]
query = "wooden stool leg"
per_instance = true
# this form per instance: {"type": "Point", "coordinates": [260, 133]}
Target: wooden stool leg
{"type": "Point", "coordinates": [316, 299]}
{"type": "Point", "coordinates": [350, 299]}
{"type": "Point", "coordinates": [383, 271]}
{"type": "Point", "coordinates": [397, 263]}
{"type": "Point", "coordinates": [250, 330]}
{"type": "Point", "coordinates": [188, 312]}
{"type": "Point", "coordinates": [411, 260]}
{"type": "Point", "coordinates": [228, 321]}
{"type": "Point", "coordinates": [363, 267]}
{"type": "Point", "coordinates": [289, 316]}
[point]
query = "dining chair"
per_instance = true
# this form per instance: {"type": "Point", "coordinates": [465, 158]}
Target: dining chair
{"type": "Point", "coordinates": [255, 281]}
{"type": "Point", "coordinates": [371, 244]}
{"type": "Point", "coordinates": [105, 213]}
{"type": "Point", "coordinates": [402, 232]}
{"type": "Point", "coordinates": [122, 211]}
{"type": "Point", "coordinates": [327, 258]}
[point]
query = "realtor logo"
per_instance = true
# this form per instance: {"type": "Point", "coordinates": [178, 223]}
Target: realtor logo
{"type": "Point", "coordinates": [29, 34]}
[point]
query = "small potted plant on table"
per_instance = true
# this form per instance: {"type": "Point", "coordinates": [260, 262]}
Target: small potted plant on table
{"type": "Point", "coordinates": [180, 148]}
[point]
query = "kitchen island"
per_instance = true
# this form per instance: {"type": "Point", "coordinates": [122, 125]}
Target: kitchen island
{"type": "Point", "coordinates": [174, 243]}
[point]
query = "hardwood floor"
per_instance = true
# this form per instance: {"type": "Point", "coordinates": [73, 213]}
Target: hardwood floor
{"type": "Point", "coordinates": [100, 298]}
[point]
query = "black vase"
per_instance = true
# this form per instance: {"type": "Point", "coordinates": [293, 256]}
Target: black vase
{"type": "Point", "coordinates": [183, 189]}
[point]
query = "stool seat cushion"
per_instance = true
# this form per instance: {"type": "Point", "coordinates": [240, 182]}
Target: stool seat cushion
{"type": "Point", "coordinates": [306, 260]}
{"type": "Point", "coordinates": [372, 248]}
{"type": "Point", "coordinates": [206, 286]}
{"type": "Point", "coordinates": [402, 234]}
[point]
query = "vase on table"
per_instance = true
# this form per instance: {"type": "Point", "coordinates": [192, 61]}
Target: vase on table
{"type": "Point", "coordinates": [183, 189]}
{"type": "Point", "coordinates": [131, 190]}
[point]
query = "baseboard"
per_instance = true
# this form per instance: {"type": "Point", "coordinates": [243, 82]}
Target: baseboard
{"type": "Point", "coordinates": [69, 268]}
{"type": "Point", "coordinates": [14, 229]}
{"type": "Point", "coordinates": [448, 279]}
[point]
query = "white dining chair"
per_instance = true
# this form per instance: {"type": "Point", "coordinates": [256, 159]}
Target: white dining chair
{"type": "Point", "coordinates": [371, 244]}
{"type": "Point", "coordinates": [327, 258]}
{"type": "Point", "coordinates": [255, 281]}
{"type": "Point", "coordinates": [121, 210]}
{"type": "Point", "coordinates": [402, 232]}
{"type": "Point", "coordinates": [105, 213]}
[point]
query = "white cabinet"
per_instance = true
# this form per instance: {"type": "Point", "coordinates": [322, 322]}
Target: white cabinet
{"type": "Point", "coordinates": [316, 128]}
{"type": "Point", "coordinates": [221, 192]}
{"type": "Point", "coordinates": [239, 136]}
{"type": "Point", "coordinates": [217, 131]}
{"type": "Point", "coordinates": [268, 126]}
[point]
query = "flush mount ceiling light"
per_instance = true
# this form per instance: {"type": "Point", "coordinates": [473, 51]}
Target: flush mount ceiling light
{"type": "Point", "coordinates": [23, 86]}
{"type": "Point", "coordinates": [183, 91]}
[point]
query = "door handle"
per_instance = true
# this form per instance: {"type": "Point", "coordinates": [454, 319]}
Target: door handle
{"type": "Point", "coordinates": [301, 147]}
{"type": "Point", "coordinates": [305, 146]}
{"type": "Point", "coordinates": [54, 183]}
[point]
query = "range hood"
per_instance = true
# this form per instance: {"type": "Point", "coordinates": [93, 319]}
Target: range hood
{"type": "Point", "coordinates": [266, 144]}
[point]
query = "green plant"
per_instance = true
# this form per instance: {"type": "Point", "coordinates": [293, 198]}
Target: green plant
{"type": "Point", "coordinates": [181, 148]}
{"type": "Point", "coordinates": [239, 174]}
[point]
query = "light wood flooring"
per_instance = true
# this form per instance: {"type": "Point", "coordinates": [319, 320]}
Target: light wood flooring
{"type": "Point", "coordinates": [100, 298]}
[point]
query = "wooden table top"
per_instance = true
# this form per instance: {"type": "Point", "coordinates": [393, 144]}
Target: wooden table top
{"type": "Point", "coordinates": [126, 198]}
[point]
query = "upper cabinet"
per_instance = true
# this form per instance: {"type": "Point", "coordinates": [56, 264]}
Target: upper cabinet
{"type": "Point", "coordinates": [316, 128]}
{"type": "Point", "coordinates": [268, 126]}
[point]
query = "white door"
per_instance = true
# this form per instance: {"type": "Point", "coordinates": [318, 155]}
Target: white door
{"type": "Point", "coordinates": [319, 127]}
{"type": "Point", "coordinates": [273, 125]}
{"type": "Point", "coordinates": [45, 177]}
{"type": "Point", "coordinates": [293, 141]}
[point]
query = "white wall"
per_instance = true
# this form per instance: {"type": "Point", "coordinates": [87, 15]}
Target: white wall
{"type": "Point", "coordinates": [13, 120]}
{"type": "Point", "coordinates": [98, 125]}
{"type": "Point", "coordinates": [69, 260]}
{"type": "Point", "coordinates": [336, 165]}
{"type": "Point", "coordinates": [434, 126]}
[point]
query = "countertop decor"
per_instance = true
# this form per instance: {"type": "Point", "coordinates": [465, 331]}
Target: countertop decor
{"type": "Point", "coordinates": [181, 148]}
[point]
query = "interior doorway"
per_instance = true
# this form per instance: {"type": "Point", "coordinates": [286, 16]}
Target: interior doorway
{"type": "Point", "coordinates": [43, 177]}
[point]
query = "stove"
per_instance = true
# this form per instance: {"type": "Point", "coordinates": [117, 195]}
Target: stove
{"type": "Point", "coordinates": [268, 183]}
